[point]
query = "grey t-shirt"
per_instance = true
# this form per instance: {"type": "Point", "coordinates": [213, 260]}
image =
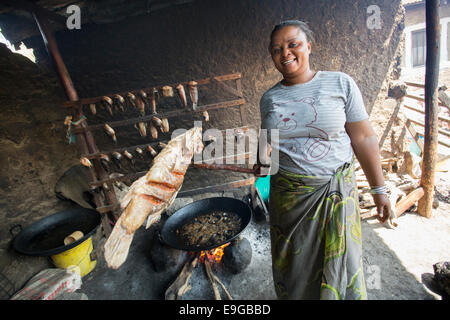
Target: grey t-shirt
{"type": "Point", "coordinates": [310, 118]}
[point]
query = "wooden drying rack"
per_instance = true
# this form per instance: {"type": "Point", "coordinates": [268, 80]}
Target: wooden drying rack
{"type": "Point", "coordinates": [98, 177]}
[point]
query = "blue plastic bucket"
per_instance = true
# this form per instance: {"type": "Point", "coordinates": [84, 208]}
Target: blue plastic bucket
{"type": "Point", "coordinates": [263, 185]}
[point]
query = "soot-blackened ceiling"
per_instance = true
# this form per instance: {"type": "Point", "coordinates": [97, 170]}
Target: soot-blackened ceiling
{"type": "Point", "coordinates": [17, 23]}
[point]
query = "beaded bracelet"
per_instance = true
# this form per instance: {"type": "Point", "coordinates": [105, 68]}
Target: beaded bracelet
{"type": "Point", "coordinates": [379, 190]}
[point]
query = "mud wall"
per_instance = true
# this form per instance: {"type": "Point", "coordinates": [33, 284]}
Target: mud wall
{"type": "Point", "coordinates": [33, 152]}
{"type": "Point", "coordinates": [203, 38]}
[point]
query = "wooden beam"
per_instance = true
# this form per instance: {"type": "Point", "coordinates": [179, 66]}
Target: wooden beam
{"type": "Point", "coordinates": [136, 175]}
{"type": "Point", "coordinates": [414, 134]}
{"type": "Point", "coordinates": [168, 114]}
{"type": "Point", "coordinates": [85, 101]}
{"type": "Point", "coordinates": [425, 205]}
{"type": "Point", "coordinates": [440, 118]}
{"type": "Point", "coordinates": [226, 87]}
{"type": "Point", "coordinates": [440, 131]}
{"type": "Point", "coordinates": [400, 207]}
{"type": "Point", "coordinates": [412, 96]}
{"type": "Point", "coordinates": [407, 202]}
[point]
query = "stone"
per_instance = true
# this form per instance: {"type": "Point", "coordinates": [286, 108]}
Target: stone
{"type": "Point", "coordinates": [237, 256]}
{"type": "Point", "coordinates": [442, 278]}
{"type": "Point", "coordinates": [165, 258]}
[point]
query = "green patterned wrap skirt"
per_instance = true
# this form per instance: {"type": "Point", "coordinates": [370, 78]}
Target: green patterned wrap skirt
{"type": "Point", "coordinates": [315, 234]}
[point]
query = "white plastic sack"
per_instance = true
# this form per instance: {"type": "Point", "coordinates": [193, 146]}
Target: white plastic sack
{"type": "Point", "coordinates": [50, 283]}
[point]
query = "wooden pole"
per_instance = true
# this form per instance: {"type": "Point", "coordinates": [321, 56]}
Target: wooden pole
{"type": "Point", "coordinates": [53, 51]}
{"type": "Point", "coordinates": [425, 204]}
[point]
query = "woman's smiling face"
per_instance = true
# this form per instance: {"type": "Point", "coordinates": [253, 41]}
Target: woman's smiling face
{"type": "Point", "coordinates": [290, 50]}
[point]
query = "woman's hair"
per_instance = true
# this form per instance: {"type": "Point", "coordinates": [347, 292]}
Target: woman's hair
{"type": "Point", "coordinates": [297, 23]}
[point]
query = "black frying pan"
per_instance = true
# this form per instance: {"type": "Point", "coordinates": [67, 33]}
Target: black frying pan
{"type": "Point", "coordinates": [46, 236]}
{"type": "Point", "coordinates": [197, 208]}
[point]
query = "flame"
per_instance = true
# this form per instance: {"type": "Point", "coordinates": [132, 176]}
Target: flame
{"type": "Point", "coordinates": [213, 255]}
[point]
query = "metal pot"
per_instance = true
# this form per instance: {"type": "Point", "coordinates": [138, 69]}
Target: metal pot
{"type": "Point", "coordinates": [46, 236]}
{"type": "Point", "coordinates": [198, 208]}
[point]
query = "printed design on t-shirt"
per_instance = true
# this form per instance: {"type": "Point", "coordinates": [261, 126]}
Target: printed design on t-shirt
{"type": "Point", "coordinates": [314, 145]}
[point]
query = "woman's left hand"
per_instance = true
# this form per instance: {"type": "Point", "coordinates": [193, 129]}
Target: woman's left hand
{"type": "Point", "coordinates": [383, 207]}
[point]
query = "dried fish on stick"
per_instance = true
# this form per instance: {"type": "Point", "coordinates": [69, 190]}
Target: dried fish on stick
{"type": "Point", "coordinates": [143, 95]}
{"type": "Point", "coordinates": [140, 152]}
{"type": "Point", "coordinates": [104, 160]}
{"type": "Point", "coordinates": [151, 194]}
{"type": "Point", "coordinates": [165, 125]}
{"type": "Point", "coordinates": [155, 96]}
{"type": "Point", "coordinates": [117, 157]}
{"type": "Point", "coordinates": [182, 95]}
{"type": "Point", "coordinates": [110, 131]}
{"type": "Point", "coordinates": [152, 151]}
{"type": "Point", "coordinates": [193, 92]}
{"type": "Point", "coordinates": [140, 105]}
{"type": "Point", "coordinates": [107, 102]}
{"type": "Point", "coordinates": [128, 155]}
{"type": "Point", "coordinates": [153, 131]}
{"type": "Point", "coordinates": [157, 121]}
{"type": "Point", "coordinates": [85, 162]}
{"type": "Point", "coordinates": [205, 115]}
{"type": "Point", "coordinates": [120, 101]}
{"type": "Point", "coordinates": [142, 128]}
{"type": "Point", "coordinates": [131, 99]}
{"type": "Point", "coordinates": [167, 91]}
{"type": "Point", "coordinates": [93, 109]}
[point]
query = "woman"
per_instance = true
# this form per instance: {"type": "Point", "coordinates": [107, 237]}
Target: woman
{"type": "Point", "coordinates": [314, 214]}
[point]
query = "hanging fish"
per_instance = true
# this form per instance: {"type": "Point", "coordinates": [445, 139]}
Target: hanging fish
{"type": "Point", "coordinates": [182, 95]}
{"type": "Point", "coordinates": [151, 194]}
{"type": "Point", "coordinates": [151, 150]}
{"type": "Point", "coordinates": [93, 109]}
{"type": "Point", "coordinates": [142, 94]}
{"type": "Point", "coordinates": [141, 106]}
{"type": "Point", "coordinates": [85, 162]}
{"type": "Point", "coordinates": [107, 102]}
{"type": "Point", "coordinates": [140, 152]}
{"type": "Point", "coordinates": [132, 99]}
{"type": "Point", "coordinates": [110, 131]}
{"type": "Point", "coordinates": [117, 157]}
{"type": "Point", "coordinates": [193, 91]}
{"type": "Point", "coordinates": [142, 129]}
{"type": "Point", "coordinates": [104, 160]}
{"type": "Point", "coordinates": [117, 180]}
{"type": "Point", "coordinates": [120, 101]}
{"type": "Point", "coordinates": [162, 145]}
{"type": "Point", "coordinates": [165, 125]}
{"type": "Point", "coordinates": [155, 95]}
{"type": "Point", "coordinates": [205, 115]}
{"type": "Point", "coordinates": [157, 121]}
{"type": "Point", "coordinates": [128, 155]}
{"type": "Point", "coordinates": [153, 131]}
{"type": "Point", "coordinates": [167, 91]}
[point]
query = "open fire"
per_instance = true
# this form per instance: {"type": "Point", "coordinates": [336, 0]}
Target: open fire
{"type": "Point", "coordinates": [213, 255]}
